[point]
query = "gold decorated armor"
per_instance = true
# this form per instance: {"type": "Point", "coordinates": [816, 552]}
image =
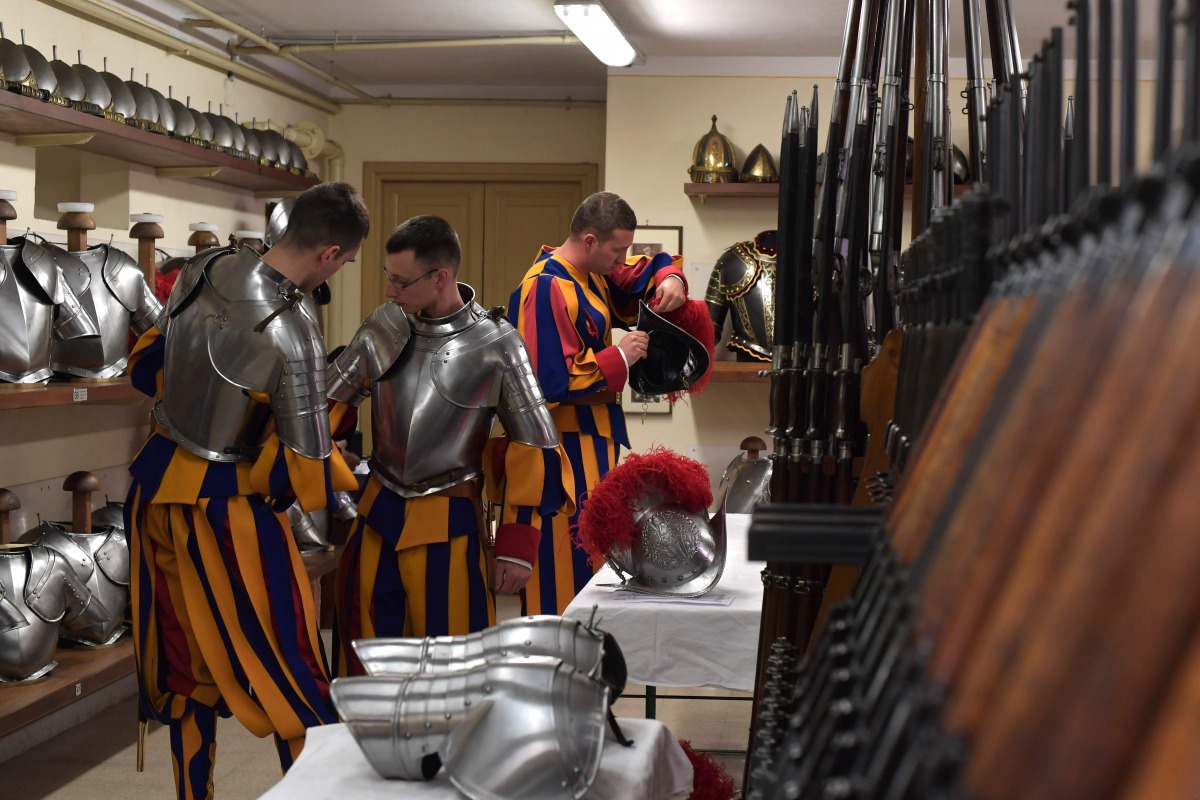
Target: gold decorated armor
{"type": "Point", "coordinates": [743, 281]}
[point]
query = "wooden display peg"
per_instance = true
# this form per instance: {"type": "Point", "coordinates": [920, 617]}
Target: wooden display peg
{"type": "Point", "coordinates": [81, 485]}
{"type": "Point", "coordinates": [251, 239]}
{"type": "Point", "coordinates": [204, 236]}
{"type": "Point", "coordinates": [147, 229]}
{"type": "Point", "coordinates": [76, 220]}
{"type": "Point", "coordinates": [7, 212]}
{"type": "Point", "coordinates": [753, 445]}
{"type": "Point", "coordinates": [8, 502]}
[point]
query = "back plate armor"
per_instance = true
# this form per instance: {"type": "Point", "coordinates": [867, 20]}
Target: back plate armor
{"type": "Point", "coordinates": [453, 374]}
{"type": "Point", "coordinates": [745, 484]}
{"type": "Point", "coordinates": [234, 325]}
{"type": "Point", "coordinates": [530, 727]}
{"type": "Point", "coordinates": [111, 288]}
{"type": "Point", "coordinates": [101, 561]}
{"type": "Point", "coordinates": [37, 307]}
{"type": "Point", "coordinates": [39, 585]}
{"type": "Point", "coordinates": [743, 280]}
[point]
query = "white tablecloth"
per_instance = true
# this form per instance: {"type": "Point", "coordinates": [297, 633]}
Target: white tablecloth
{"type": "Point", "coordinates": [685, 642]}
{"type": "Point", "coordinates": [332, 766]}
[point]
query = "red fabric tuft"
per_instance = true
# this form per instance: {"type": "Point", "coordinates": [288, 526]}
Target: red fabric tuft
{"type": "Point", "coordinates": [606, 520]}
{"type": "Point", "coordinates": [163, 285]}
{"type": "Point", "coordinates": [710, 781]}
{"type": "Point", "coordinates": [693, 317]}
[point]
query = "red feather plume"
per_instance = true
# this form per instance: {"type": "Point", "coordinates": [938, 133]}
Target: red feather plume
{"type": "Point", "coordinates": [693, 318]}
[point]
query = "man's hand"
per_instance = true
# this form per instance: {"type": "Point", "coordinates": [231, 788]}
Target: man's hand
{"type": "Point", "coordinates": [349, 456]}
{"type": "Point", "coordinates": [669, 295]}
{"type": "Point", "coordinates": [509, 577]}
{"type": "Point", "coordinates": [634, 344]}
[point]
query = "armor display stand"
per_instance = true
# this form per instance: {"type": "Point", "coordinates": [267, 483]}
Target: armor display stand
{"type": "Point", "coordinates": [147, 229]}
{"type": "Point", "coordinates": [252, 239]}
{"type": "Point", "coordinates": [8, 502]}
{"type": "Point", "coordinates": [204, 236]}
{"type": "Point", "coordinates": [7, 212]}
{"type": "Point", "coordinates": [81, 485]}
{"type": "Point", "coordinates": [76, 220]}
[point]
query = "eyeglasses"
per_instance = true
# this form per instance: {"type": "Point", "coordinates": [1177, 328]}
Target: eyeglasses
{"type": "Point", "coordinates": [402, 285]}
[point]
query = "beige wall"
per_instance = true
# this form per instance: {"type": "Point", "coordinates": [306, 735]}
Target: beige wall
{"type": "Point", "coordinates": [506, 133]}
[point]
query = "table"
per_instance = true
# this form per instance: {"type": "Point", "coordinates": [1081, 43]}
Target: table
{"type": "Point", "coordinates": [332, 765]}
{"type": "Point", "coordinates": [685, 642]}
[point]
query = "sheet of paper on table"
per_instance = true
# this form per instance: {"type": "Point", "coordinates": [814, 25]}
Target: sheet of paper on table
{"type": "Point", "coordinates": [710, 599]}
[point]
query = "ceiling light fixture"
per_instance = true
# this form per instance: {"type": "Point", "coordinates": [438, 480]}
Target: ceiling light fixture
{"type": "Point", "coordinates": [588, 20]}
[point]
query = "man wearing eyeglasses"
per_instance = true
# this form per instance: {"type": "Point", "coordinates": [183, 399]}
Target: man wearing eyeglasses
{"type": "Point", "coordinates": [438, 370]}
{"type": "Point", "coordinates": [565, 309]}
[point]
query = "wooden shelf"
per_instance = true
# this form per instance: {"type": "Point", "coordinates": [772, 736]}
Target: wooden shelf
{"type": "Point", "coordinates": [80, 672]}
{"type": "Point", "coordinates": [739, 372]}
{"type": "Point", "coordinates": [13, 395]}
{"type": "Point", "coordinates": [742, 190]}
{"type": "Point", "coordinates": [25, 116]}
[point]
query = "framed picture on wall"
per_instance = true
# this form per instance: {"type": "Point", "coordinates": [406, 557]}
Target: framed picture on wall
{"type": "Point", "coordinates": [636, 403]}
{"type": "Point", "coordinates": [650, 240]}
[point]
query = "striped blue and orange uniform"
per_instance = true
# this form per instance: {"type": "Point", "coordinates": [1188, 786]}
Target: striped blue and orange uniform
{"type": "Point", "coordinates": [224, 619]}
{"type": "Point", "coordinates": [566, 317]}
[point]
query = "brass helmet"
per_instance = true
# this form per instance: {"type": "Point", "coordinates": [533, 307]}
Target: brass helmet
{"type": "Point", "coordinates": [759, 167]}
{"type": "Point", "coordinates": [713, 158]}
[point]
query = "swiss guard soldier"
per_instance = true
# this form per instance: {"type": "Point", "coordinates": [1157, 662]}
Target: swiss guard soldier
{"type": "Point", "coordinates": [224, 621]}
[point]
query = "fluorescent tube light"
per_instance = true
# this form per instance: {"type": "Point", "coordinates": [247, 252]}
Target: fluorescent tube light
{"type": "Point", "coordinates": [595, 28]}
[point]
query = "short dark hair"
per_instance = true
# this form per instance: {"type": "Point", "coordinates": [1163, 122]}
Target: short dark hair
{"type": "Point", "coordinates": [431, 239]}
{"type": "Point", "coordinates": [328, 213]}
{"type": "Point", "coordinates": [601, 214]}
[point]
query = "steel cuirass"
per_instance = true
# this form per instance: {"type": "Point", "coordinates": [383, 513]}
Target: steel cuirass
{"type": "Point", "coordinates": [101, 561]}
{"type": "Point", "coordinates": [455, 374]}
{"type": "Point", "coordinates": [37, 307]}
{"type": "Point", "coordinates": [743, 280]}
{"type": "Point", "coordinates": [531, 727]}
{"type": "Point", "coordinates": [589, 650]}
{"type": "Point", "coordinates": [234, 325]}
{"type": "Point", "coordinates": [40, 592]}
{"type": "Point", "coordinates": [111, 288]}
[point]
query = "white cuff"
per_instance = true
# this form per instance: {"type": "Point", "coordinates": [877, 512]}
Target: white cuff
{"type": "Point", "coordinates": [523, 563]}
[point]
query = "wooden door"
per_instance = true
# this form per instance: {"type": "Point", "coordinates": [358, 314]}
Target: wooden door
{"type": "Point", "coordinates": [520, 218]}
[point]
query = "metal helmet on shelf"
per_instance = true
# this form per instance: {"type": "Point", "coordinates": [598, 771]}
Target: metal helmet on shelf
{"type": "Point", "coordinates": [759, 167]}
{"type": "Point", "coordinates": [713, 159]}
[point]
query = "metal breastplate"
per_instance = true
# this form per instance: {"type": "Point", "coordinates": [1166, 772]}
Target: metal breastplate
{"type": "Point", "coordinates": [531, 728]}
{"type": "Point", "coordinates": [745, 484]}
{"type": "Point", "coordinates": [447, 379]}
{"type": "Point", "coordinates": [101, 562]}
{"type": "Point", "coordinates": [214, 357]}
{"type": "Point", "coordinates": [588, 650]}
{"type": "Point", "coordinates": [40, 591]}
{"type": "Point", "coordinates": [112, 290]}
{"type": "Point", "coordinates": [744, 280]}
{"type": "Point", "coordinates": [37, 306]}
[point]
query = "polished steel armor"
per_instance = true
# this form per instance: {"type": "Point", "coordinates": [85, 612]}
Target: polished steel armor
{"type": "Point", "coordinates": [101, 561]}
{"type": "Point", "coordinates": [112, 289]}
{"type": "Point", "coordinates": [676, 552]}
{"type": "Point", "coordinates": [235, 325]}
{"type": "Point", "coordinates": [745, 484]}
{"type": "Point", "coordinates": [531, 728]}
{"type": "Point", "coordinates": [452, 374]}
{"type": "Point", "coordinates": [40, 593]}
{"type": "Point", "coordinates": [37, 306]}
{"type": "Point", "coordinates": [743, 280]}
{"type": "Point", "coordinates": [591, 651]}
{"type": "Point", "coordinates": [310, 529]}
{"type": "Point", "coordinates": [278, 221]}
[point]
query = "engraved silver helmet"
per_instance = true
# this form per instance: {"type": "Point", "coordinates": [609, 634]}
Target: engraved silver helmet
{"type": "Point", "coordinates": [648, 519]}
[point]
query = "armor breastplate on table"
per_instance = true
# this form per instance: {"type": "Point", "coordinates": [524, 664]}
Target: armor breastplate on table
{"type": "Point", "coordinates": [452, 375]}
{"type": "Point", "coordinates": [529, 727]}
{"type": "Point", "coordinates": [234, 325]}
{"type": "Point", "coordinates": [39, 592]}
{"type": "Point", "coordinates": [743, 282]}
{"type": "Point", "coordinates": [111, 288]}
{"type": "Point", "coordinates": [100, 560]}
{"type": "Point", "coordinates": [37, 307]}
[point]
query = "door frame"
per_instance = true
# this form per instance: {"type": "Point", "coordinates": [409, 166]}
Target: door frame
{"type": "Point", "coordinates": [377, 173]}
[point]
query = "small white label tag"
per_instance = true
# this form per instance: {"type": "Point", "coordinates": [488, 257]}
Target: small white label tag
{"type": "Point", "coordinates": [79, 395]}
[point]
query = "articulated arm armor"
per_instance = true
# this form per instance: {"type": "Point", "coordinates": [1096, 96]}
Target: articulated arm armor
{"type": "Point", "coordinates": [41, 588]}
{"type": "Point", "coordinates": [235, 325]}
{"type": "Point", "coordinates": [37, 307]}
{"type": "Point", "coordinates": [114, 293]}
{"type": "Point", "coordinates": [101, 562]}
{"type": "Point", "coordinates": [374, 348]}
{"type": "Point", "coordinates": [530, 728]}
{"type": "Point", "coordinates": [743, 280]}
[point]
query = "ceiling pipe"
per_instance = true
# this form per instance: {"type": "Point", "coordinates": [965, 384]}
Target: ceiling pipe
{"type": "Point", "coordinates": [406, 44]}
{"type": "Point", "coordinates": [138, 28]}
{"type": "Point", "coordinates": [270, 48]}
